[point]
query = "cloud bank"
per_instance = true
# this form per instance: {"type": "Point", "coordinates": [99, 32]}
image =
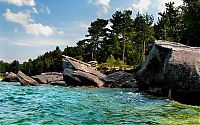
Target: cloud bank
{"type": "Point", "coordinates": [105, 4]}
{"type": "Point", "coordinates": [142, 6]}
{"type": "Point", "coordinates": [20, 2]}
{"type": "Point", "coordinates": [25, 20]}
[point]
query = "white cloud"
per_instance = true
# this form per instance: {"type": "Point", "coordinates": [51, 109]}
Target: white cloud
{"type": "Point", "coordinates": [48, 10]}
{"type": "Point", "coordinates": [161, 4]}
{"type": "Point", "coordinates": [34, 10]}
{"type": "Point", "coordinates": [16, 30]}
{"type": "Point", "coordinates": [61, 32]}
{"type": "Point", "coordinates": [21, 18]}
{"type": "Point", "coordinates": [40, 42]}
{"type": "Point", "coordinates": [27, 23]}
{"type": "Point", "coordinates": [104, 3]}
{"type": "Point", "coordinates": [142, 6]}
{"type": "Point", "coordinates": [3, 39]}
{"type": "Point", "coordinates": [83, 25]}
{"type": "Point", "coordinates": [39, 29]}
{"type": "Point", "coordinates": [109, 25]}
{"type": "Point", "coordinates": [45, 10]}
{"type": "Point", "coordinates": [20, 2]}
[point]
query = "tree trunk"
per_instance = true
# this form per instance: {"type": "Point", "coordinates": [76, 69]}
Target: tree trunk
{"type": "Point", "coordinates": [143, 57]}
{"type": "Point", "coordinates": [123, 52]}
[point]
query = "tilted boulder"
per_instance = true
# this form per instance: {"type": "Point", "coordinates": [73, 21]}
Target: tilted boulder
{"type": "Point", "coordinates": [78, 73]}
{"type": "Point", "coordinates": [26, 80]}
{"type": "Point", "coordinates": [172, 69]}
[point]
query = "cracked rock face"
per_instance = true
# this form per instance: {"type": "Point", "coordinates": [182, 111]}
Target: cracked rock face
{"type": "Point", "coordinates": [172, 67]}
{"type": "Point", "coordinates": [78, 73]}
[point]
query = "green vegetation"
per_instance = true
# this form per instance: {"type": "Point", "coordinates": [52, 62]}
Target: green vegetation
{"type": "Point", "coordinates": [123, 38]}
{"type": "Point", "coordinates": [112, 64]}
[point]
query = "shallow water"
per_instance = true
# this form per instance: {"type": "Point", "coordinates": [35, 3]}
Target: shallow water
{"type": "Point", "coordinates": [51, 105]}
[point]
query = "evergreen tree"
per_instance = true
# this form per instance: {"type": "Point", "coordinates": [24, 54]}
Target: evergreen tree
{"type": "Point", "coordinates": [14, 66]}
{"type": "Point", "coordinates": [145, 32]}
{"type": "Point", "coordinates": [169, 26]}
{"type": "Point", "coordinates": [97, 31]}
{"type": "Point", "coordinates": [122, 27]}
{"type": "Point", "coordinates": [191, 20]}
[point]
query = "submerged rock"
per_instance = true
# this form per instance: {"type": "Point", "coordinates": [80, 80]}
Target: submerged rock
{"type": "Point", "coordinates": [26, 80]}
{"type": "Point", "coordinates": [172, 69]}
{"type": "Point", "coordinates": [78, 73]}
{"type": "Point", "coordinates": [58, 83]}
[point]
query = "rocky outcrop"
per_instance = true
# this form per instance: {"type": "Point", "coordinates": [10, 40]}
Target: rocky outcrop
{"type": "Point", "coordinates": [10, 77]}
{"type": "Point", "coordinates": [53, 78]}
{"type": "Point", "coordinates": [49, 77]}
{"type": "Point", "coordinates": [121, 79]}
{"type": "Point", "coordinates": [172, 69]}
{"type": "Point", "coordinates": [26, 80]}
{"type": "Point", "coordinates": [78, 73]}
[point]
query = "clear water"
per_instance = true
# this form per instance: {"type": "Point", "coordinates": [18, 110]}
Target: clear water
{"type": "Point", "coordinates": [50, 105]}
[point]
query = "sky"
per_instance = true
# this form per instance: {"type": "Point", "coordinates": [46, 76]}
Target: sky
{"type": "Point", "coordinates": [29, 28]}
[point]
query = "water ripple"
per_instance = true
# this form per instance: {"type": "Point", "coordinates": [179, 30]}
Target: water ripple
{"type": "Point", "coordinates": [50, 105]}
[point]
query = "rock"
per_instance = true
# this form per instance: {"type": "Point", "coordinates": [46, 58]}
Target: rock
{"type": "Point", "coordinates": [26, 80]}
{"type": "Point", "coordinates": [121, 79]}
{"type": "Point", "coordinates": [59, 83]}
{"type": "Point", "coordinates": [10, 77]}
{"type": "Point", "coordinates": [89, 79]}
{"type": "Point", "coordinates": [93, 63]}
{"type": "Point", "coordinates": [78, 73]}
{"type": "Point", "coordinates": [172, 69]}
{"type": "Point", "coordinates": [49, 77]}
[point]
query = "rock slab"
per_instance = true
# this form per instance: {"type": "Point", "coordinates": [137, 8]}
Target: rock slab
{"type": "Point", "coordinates": [121, 79]}
{"type": "Point", "coordinates": [172, 69]}
{"type": "Point", "coordinates": [50, 77]}
{"type": "Point", "coordinates": [78, 73]}
{"type": "Point", "coordinates": [26, 80]}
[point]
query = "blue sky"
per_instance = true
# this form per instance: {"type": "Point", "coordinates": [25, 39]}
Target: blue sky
{"type": "Point", "coordinates": [29, 28]}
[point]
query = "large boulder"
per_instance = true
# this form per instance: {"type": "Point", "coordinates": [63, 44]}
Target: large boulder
{"type": "Point", "coordinates": [78, 73]}
{"type": "Point", "coordinates": [172, 69]}
{"type": "Point", "coordinates": [121, 79]}
{"type": "Point", "coordinates": [10, 77]}
{"type": "Point", "coordinates": [26, 80]}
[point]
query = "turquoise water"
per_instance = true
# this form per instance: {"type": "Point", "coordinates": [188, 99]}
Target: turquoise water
{"type": "Point", "coordinates": [51, 105]}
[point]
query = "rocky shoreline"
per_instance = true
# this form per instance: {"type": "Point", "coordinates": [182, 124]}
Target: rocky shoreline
{"type": "Point", "coordinates": [171, 70]}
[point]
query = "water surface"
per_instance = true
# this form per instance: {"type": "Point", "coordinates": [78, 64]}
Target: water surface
{"type": "Point", "coordinates": [51, 105]}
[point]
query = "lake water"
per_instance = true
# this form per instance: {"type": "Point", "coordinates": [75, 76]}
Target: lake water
{"type": "Point", "coordinates": [51, 105]}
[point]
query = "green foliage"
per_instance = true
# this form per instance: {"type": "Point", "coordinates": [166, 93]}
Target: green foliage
{"type": "Point", "coordinates": [111, 60]}
{"type": "Point", "coordinates": [191, 21]}
{"type": "Point", "coordinates": [14, 66]}
{"type": "Point", "coordinates": [124, 39]}
{"type": "Point", "coordinates": [112, 64]}
{"type": "Point", "coordinates": [4, 67]}
{"type": "Point", "coordinates": [169, 26]}
{"type": "Point", "coordinates": [49, 62]}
